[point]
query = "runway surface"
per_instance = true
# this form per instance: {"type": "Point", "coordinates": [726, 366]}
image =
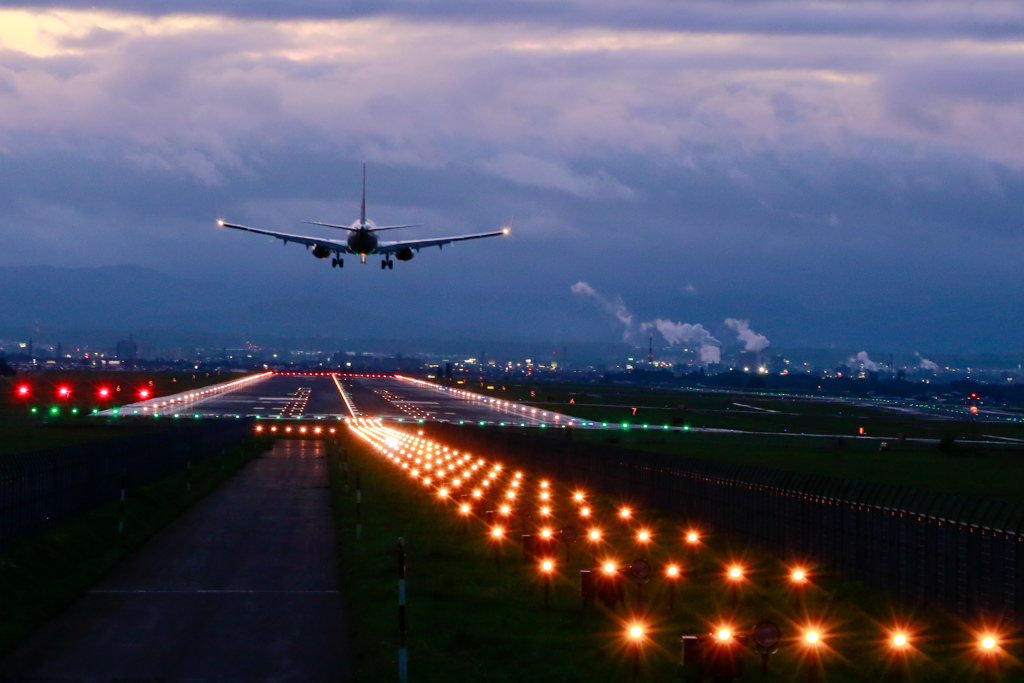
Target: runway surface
{"type": "Point", "coordinates": [242, 587]}
{"type": "Point", "coordinates": [334, 397]}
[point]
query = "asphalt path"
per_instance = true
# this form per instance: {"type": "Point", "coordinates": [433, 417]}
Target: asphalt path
{"type": "Point", "coordinates": [242, 587]}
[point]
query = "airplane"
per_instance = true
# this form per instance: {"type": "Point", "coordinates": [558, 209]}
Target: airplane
{"type": "Point", "coordinates": [362, 239]}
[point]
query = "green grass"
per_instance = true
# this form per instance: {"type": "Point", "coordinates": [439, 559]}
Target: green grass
{"type": "Point", "coordinates": [41, 576]}
{"type": "Point", "coordinates": [478, 616]}
{"type": "Point", "coordinates": [968, 469]}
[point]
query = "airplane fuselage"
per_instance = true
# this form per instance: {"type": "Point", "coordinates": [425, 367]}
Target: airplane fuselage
{"type": "Point", "coordinates": [362, 241]}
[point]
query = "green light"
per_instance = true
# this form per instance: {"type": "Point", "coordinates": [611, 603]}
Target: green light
{"type": "Point", "coordinates": [625, 425]}
{"type": "Point", "coordinates": [95, 411]}
{"type": "Point", "coordinates": [501, 424]}
{"type": "Point", "coordinates": [543, 425]}
{"type": "Point", "coordinates": [74, 411]}
{"type": "Point", "coordinates": [34, 411]}
{"type": "Point", "coordinates": [54, 410]}
{"type": "Point", "coordinates": [646, 426]}
{"type": "Point", "coordinates": [686, 428]}
{"type": "Point", "coordinates": [421, 420]}
{"type": "Point", "coordinates": [604, 425]}
{"type": "Point", "coordinates": [196, 416]}
{"type": "Point", "coordinates": [401, 419]}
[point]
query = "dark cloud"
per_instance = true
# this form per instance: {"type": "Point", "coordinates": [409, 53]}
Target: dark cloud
{"type": "Point", "coordinates": [797, 178]}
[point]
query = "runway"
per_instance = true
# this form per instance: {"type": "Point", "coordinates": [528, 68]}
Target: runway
{"type": "Point", "coordinates": [326, 396]}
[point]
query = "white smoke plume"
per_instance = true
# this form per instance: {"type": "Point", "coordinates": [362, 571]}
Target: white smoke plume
{"type": "Point", "coordinates": [680, 333]}
{"type": "Point", "coordinates": [616, 306]}
{"type": "Point", "coordinates": [710, 354]}
{"type": "Point", "coordinates": [673, 332]}
{"type": "Point", "coordinates": [926, 364]}
{"type": "Point", "coordinates": [752, 341]}
{"type": "Point", "coordinates": [862, 359]}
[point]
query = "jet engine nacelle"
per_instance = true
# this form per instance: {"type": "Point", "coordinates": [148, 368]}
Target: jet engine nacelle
{"type": "Point", "coordinates": [320, 251]}
{"type": "Point", "coordinates": [404, 254]}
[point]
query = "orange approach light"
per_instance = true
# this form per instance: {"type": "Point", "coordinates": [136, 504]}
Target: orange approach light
{"type": "Point", "coordinates": [636, 632]}
{"type": "Point", "coordinates": [692, 537]}
{"type": "Point", "coordinates": [624, 513]}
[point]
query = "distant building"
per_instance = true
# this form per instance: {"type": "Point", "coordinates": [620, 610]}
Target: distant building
{"type": "Point", "coordinates": [127, 350]}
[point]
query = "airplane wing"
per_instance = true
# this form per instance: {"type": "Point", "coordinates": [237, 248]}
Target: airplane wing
{"type": "Point", "coordinates": [333, 245]}
{"type": "Point", "coordinates": [392, 247]}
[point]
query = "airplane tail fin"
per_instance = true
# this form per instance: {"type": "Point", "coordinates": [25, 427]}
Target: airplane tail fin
{"type": "Point", "coordinates": [362, 208]}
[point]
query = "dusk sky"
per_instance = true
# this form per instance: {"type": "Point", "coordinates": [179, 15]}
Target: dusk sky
{"type": "Point", "coordinates": [840, 173]}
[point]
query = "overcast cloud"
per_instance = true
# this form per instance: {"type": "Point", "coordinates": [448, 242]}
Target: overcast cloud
{"type": "Point", "coordinates": [771, 161]}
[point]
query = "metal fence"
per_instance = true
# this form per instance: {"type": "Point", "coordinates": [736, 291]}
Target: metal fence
{"type": "Point", "coordinates": [963, 554]}
{"type": "Point", "coordinates": [43, 488]}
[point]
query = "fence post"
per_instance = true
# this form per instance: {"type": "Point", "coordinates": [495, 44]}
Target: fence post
{"type": "Point", "coordinates": [402, 652]}
{"type": "Point", "coordinates": [359, 502]}
{"type": "Point", "coordinates": [120, 517]}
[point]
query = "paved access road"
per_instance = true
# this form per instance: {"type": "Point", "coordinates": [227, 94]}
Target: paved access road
{"type": "Point", "coordinates": [242, 587]}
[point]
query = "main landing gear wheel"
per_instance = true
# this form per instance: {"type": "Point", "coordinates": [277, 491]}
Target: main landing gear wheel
{"type": "Point", "coordinates": [337, 263]}
{"type": "Point", "coordinates": [387, 263]}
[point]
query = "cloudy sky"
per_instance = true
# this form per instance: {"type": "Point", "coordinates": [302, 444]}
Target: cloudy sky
{"type": "Point", "coordinates": [840, 173]}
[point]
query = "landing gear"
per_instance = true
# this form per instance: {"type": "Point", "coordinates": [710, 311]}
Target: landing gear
{"type": "Point", "coordinates": [337, 263]}
{"type": "Point", "coordinates": [387, 263]}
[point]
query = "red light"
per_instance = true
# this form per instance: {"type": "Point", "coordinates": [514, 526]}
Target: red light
{"type": "Point", "coordinates": [23, 390]}
{"type": "Point", "coordinates": [144, 393]}
{"type": "Point", "coordinates": [64, 392]}
{"type": "Point", "coordinates": [104, 392]}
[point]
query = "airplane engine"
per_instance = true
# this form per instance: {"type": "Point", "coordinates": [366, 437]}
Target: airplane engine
{"type": "Point", "coordinates": [320, 251]}
{"type": "Point", "coordinates": [404, 254]}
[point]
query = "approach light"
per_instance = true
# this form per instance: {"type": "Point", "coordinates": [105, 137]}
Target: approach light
{"type": "Point", "coordinates": [595, 535]}
{"type": "Point", "coordinates": [636, 632]}
{"type": "Point", "coordinates": [464, 509]}
{"type": "Point", "coordinates": [899, 640]}
{"type": "Point", "coordinates": [811, 637]}
{"type": "Point", "coordinates": [609, 567]}
{"type": "Point", "coordinates": [692, 537]}
{"type": "Point", "coordinates": [578, 497]}
{"type": "Point", "coordinates": [672, 571]}
{"type": "Point", "coordinates": [545, 533]}
{"type": "Point", "coordinates": [798, 576]}
{"type": "Point", "coordinates": [547, 566]}
{"type": "Point", "coordinates": [724, 634]}
{"type": "Point", "coordinates": [505, 509]}
{"type": "Point", "coordinates": [624, 513]}
{"type": "Point", "coordinates": [644, 536]}
{"type": "Point", "coordinates": [545, 511]}
{"type": "Point", "coordinates": [988, 643]}
{"type": "Point", "coordinates": [497, 532]}
{"type": "Point", "coordinates": [584, 512]}
{"type": "Point", "coordinates": [735, 573]}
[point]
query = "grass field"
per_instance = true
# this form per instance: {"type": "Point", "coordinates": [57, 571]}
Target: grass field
{"type": "Point", "coordinates": [478, 615]}
{"type": "Point", "coordinates": [43, 575]}
{"type": "Point", "coordinates": [963, 467]}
